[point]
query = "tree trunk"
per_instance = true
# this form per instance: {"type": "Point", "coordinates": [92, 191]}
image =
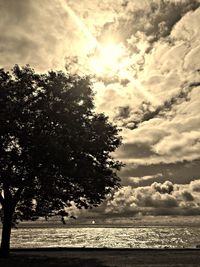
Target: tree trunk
{"type": "Point", "coordinates": [6, 233]}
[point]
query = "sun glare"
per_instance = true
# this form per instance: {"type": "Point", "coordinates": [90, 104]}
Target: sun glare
{"type": "Point", "coordinates": [107, 60]}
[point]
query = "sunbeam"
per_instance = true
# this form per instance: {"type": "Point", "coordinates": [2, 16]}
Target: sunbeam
{"type": "Point", "coordinates": [109, 59]}
{"type": "Point", "coordinates": [81, 25]}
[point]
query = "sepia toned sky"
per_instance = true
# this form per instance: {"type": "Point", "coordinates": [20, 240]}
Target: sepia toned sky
{"type": "Point", "coordinates": [144, 60]}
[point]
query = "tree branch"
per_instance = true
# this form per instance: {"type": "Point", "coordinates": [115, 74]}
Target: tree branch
{"type": "Point", "coordinates": [7, 193]}
{"type": "Point", "coordinates": [1, 200]}
{"type": "Point", "coordinates": [17, 195]}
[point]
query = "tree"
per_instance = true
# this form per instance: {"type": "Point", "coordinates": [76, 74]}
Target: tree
{"type": "Point", "coordinates": [54, 149]}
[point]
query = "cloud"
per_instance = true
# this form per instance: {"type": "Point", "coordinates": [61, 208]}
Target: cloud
{"type": "Point", "coordinates": [163, 131]}
{"type": "Point", "coordinates": [137, 181]}
{"type": "Point", "coordinates": [168, 138]}
{"type": "Point", "coordinates": [146, 111]}
{"type": "Point", "coordinates": [155, 19]}
{"type": "Point", "coordinates": [157, 199]}
{"type": "Point", "coordinates": [39, 33]}
{"type": "Point", "coordinates": [195, 185]}
{"type": "Point", "coordinates": [166, 187]}
{"type": "Point", "coordinates": [187, 196]}
{"type": "Point", "coordinates": [170, 72]}
{"type": "Point", "coordinates": [185, 145]}
{"type": "Point", "coordinates": [179, 173]}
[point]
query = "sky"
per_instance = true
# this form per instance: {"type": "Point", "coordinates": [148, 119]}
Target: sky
{"type": "Point", "coordinates": [144, 60]}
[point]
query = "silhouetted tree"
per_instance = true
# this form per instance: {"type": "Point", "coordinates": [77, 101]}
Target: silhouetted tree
{"type": "Point", "coordinates": [54, 149]}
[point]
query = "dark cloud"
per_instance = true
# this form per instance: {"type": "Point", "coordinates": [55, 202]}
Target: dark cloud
{"type": "Point", "coordinates": [157, 20]}
{"type": "Point", "coordinates": [187, 196]}
{"type": "Point", "coordinates": [177, 211]}
{"type": "Point", "coordinates": [135, 150]}
{"type": "Point", "coordinates": [179, 173]}
{"type": "Point", "coordinates": [146, 111]}
{"type": "Point", "coordinates": [166, 187]}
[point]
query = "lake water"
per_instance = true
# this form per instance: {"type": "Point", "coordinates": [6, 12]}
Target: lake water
{"type": "Point", "coordinates": [109, 237]}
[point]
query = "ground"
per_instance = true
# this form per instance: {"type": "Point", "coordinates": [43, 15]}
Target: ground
{"type": "Point", "coordinates": [103, 258]}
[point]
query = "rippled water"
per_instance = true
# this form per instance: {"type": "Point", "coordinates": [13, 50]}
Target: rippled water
{"type": "Point", "coordinates": [118, 237]}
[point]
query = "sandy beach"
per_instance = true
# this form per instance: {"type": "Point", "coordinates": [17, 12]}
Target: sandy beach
{"type": "Point", "coordinates": [102, 257]}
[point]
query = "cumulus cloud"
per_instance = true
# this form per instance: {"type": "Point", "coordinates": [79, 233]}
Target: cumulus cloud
{"type": "Point", "coordinates": [166, 187]}
{"type": "Point", "coordinates": [187, 196]}
{"type": "Point", "coordinates": [157, 199]}
{"type": "Point", "coordinates": [195, 186]}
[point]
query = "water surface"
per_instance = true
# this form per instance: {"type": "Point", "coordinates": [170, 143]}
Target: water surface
{"type": "Point", "coordinates": [109, 237]}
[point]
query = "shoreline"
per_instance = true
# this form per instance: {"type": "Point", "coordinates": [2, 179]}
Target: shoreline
{"type": "Point", "coordinates": [67, 226]}
{"type": "Point", "coordinates": [78, 249]}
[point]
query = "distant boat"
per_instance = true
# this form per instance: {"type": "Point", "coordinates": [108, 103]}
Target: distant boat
{"type": "Point", "coordinates": [93, 222]}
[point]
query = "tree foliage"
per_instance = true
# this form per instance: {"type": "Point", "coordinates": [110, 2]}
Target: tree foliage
{"type": "Point", "coordinates": [54, 149]}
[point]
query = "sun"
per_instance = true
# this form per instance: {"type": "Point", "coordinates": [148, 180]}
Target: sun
{"type": "Point", "coordinates": [112, 60]}
{"type": "Point", "coordinates": [108, 59]}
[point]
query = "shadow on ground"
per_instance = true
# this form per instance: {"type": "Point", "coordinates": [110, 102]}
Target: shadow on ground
{"type": "Point", "coordinates": [103, 258]}
{"type": "Point", "coordinates": [42, 261]}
